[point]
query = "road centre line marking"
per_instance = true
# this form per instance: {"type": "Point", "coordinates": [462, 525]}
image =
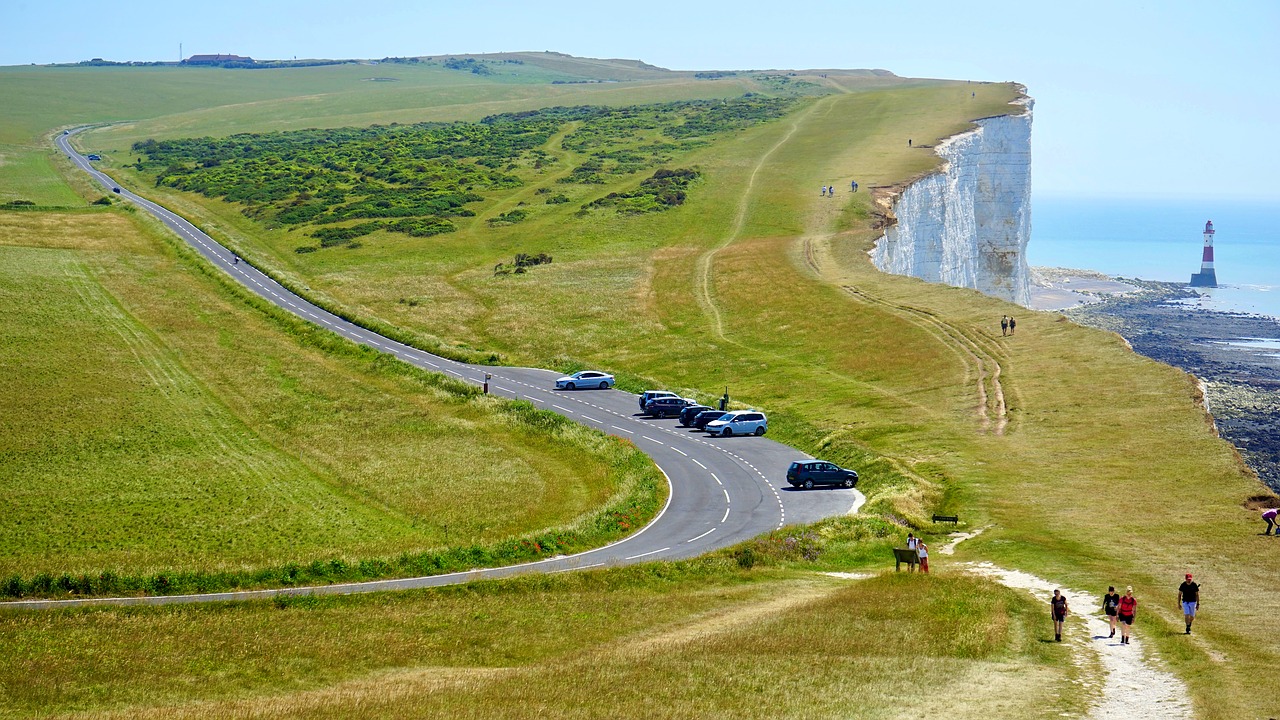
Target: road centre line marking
{"type": "Point", "coordinates": [615, 427]}
{"type": "Point", "coordinates": [713, 477]}
{"type": "Point", "coordinates": [646, 437]}
{"type": "Point", "coordinates": [704, 467]}
{"type": "Point", "coordinates": [651, 552]}
{"type": "Point", "coordinates": [726, 494]}
{"type": "Point", "coordinates": [726, 516]}
{"type": "Point", "coordinates": [584, 417]}
{"type": "Point", "coordinates": [701, 536]}
{"type": "Point", "coordinates": [560, 407]}
{"type": "Point", "coordinates": [680, 451]}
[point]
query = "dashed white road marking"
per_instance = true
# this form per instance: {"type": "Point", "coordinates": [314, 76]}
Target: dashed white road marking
{"type": "Point", "coordinates": [651, 552]}
{"type": "Point", "coordinates": [591, 419]}
{"type": "Point", "coordinates": [695, 460]}
{"type": "Point", "coordinates": [559, 407]}
{"type": "Point", "coordinates": [620, 429]}
{"type": "Point", "coordinates": [673, 447]}
{"type": "Point", "coordinates": [701, 536]}
{"type": "Point", "coordinates": [726, 516]}
{"type": "Point", "coordinates": [646, 437]}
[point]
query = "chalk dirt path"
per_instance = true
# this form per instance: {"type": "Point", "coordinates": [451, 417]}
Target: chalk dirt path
{"type": "Point", "coordinates": [1135, 688]}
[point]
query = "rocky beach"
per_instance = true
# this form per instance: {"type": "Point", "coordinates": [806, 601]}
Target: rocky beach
{"type": "Point", "coordinates": [1235, 355]}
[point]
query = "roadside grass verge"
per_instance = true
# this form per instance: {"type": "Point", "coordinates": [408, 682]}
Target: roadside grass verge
{"type": "Point", "coordinates": [187, 439]}
{"type": "Point", "coordinates": [27, 173]}
{"type": "Point", "coordinates": [700, 637]}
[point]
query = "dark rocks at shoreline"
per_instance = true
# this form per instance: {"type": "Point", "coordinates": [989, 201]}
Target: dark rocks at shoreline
{"type": "Point", "coordinates": [1162, 322]}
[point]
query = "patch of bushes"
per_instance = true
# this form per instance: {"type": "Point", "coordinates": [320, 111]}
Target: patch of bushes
{"type": "Point", "coordinates": [521, 264]}
{"type": "Point", "coordinates": [665, 189]}
{"type": "Point", "coordinates": [508, 218]}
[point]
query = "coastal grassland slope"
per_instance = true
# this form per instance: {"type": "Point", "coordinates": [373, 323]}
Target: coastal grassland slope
{"type": "Point", "coordinates": [1094, 466]}
{"type": "Point", "coordinates": [156, 422]}
{"type": "Point", "coordinates": [700, 638]}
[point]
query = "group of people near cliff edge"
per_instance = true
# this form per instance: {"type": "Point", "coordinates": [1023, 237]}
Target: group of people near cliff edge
{"type": "Point", "coordinates": [1007, 324]}
{"type": "Point", "coordinates": [1122, 609]}
{"type": "Point", "coordinates": [830, 190]}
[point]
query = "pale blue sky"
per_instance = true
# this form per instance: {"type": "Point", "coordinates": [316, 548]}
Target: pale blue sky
{"type": "Point", "coordinates": [1141, 98]}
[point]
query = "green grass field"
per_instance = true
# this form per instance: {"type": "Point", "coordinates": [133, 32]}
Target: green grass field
{"type": "Point", "coordinates": [693, 639]}
{"type": "Point", "coordinates": [1104, 470]}
{"type": "Point", "coordinates": [154, 423]}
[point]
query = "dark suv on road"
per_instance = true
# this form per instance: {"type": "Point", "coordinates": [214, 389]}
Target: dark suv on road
{"type": "Point", "coordinates": [807, 473]}
{"type": "Point", "coordinates": [701, 419]}
{"type": "Point", "coordinates": [665, 406]}
{"type": "Point", "coordinates": [690, 412]}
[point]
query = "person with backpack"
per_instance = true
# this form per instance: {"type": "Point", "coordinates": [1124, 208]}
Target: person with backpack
{"type": "Point", "coordinates": [1013, 324]}
{"type": "Point", "coordinates": [1110, 603]}
{"type": "Point", "coordinates": [1059, 610]}
{"type": "Point", "coordinates": [1128, 608]}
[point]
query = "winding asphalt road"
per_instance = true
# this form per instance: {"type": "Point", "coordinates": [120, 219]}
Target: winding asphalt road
{"type": "Point", "coordinates": [723, 490]}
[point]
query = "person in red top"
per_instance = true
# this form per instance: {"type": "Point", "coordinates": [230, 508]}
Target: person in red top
{"type": "Point", "coordinates": [1128, 608]}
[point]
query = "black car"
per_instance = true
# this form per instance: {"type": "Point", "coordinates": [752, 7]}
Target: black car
{"type": "Point", "coordinates": [690, 412]}
{"type": "Point", "coordinates": [808, 473]}
{"type": "Point", "coordinates": [701, 419]}
{"type": "Point", "coordinates": [115, 190]}
{"type": "Point", "coordinates": [648, 395]}
{"type": "Point", "coordinates": [665, 406]}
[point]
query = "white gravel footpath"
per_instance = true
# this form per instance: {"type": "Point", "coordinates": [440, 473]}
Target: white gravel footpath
{"type": "Point", "coordinates": [1135, 688]}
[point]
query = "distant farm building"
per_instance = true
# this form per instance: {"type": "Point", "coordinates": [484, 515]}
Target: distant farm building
{"type": "Point", "coordinates": [216, 59]}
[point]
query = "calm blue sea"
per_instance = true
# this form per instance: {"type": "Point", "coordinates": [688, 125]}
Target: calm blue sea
{"type": "Point", "coordinates": [1162, 240]}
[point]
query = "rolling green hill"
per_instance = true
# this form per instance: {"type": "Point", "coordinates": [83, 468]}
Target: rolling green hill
{"type": "Point", "coordinates": [1098, 468]}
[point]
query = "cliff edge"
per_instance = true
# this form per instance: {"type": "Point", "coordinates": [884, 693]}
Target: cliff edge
{"type": "Point", "coordinates": [968, 223]}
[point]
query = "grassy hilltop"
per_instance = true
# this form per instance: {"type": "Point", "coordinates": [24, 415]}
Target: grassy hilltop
{"type": "Point", "coordinates": [1088, 464]}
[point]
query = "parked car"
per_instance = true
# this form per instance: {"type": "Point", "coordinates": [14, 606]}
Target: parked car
{"type": "Point", "coordinates": [706, 416]}
{"type": "Point", "coordinates": [585, 379]}
{"type": "Point", "coordinates": [741, 422]}
{"type": "Point", "coordinates": [808, 473]}
{"type": "Point", "coordinates": [666, 406]}
{"type": "Point", "coordinates": [690, 412]}
{"type": "Point", "coordinates": [95, 157]}
{"type": "Point", "coordinates": [648, 395]}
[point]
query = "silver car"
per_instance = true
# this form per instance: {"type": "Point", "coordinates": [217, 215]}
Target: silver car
{"type": "Point", "coordinates": [741, 422]}
{"type": "Point", "coordinates": [585, 379]}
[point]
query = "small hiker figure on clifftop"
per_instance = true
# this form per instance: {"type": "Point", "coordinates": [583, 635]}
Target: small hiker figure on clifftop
{"type": "Point", "coordinates": [1189, 596]}
{"type": "Point", "coordinates": [1013, 324]}
{"type": "Point", "coordinates": [1058, 609]}
{"type": "Point", "coordinates": [908, 142]}
{"type": "Point", "coordinates": [854, 185]}
{"type": "Point", "coordinates": [1004, 324]}
{"type": "Point", "coordinates": [824, 191]}
{"type": "Point", "coordinates": [831, 191]}
{"type": "Point", "coordinates": [1128, 608]}
{"type": "Point", "coordinates": [1269, 516]}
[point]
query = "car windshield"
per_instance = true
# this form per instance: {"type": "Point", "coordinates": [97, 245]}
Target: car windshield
{"type": "Point", "coordinates": [725, 417]}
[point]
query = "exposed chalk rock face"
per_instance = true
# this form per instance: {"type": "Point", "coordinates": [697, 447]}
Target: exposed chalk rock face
{"type": "Point", "coordinates": [968, 224]}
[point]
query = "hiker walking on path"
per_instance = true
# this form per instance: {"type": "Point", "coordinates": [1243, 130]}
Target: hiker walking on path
{"type": "Point", "coordinates": [1270, 516]}
{"type": "Point", "coordinates": [1128, 608]}
{"type": "Point", "coordinates": [1004, 325]}
{"type": "Point", "coordinates": [1013, 324]}
{"type": "Point", "coordinates": [922, 552]}
{"type": "Point", "coordinates": [1189, 596]}
{"type": "Point", "coordinates": [1110, 603]}
{"type": "Point", "coordinates": [824, 191]}
{"type": "Point", "coordinates": [854, 186]}
{"type": "Point", "coordinates": [1058, 609]}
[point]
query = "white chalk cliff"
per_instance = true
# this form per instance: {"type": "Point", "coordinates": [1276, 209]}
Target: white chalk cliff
{"type": "Point", "coordinates": [968, 224]}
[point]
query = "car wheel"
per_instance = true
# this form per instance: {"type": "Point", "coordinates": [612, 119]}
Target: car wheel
{"type": "Point", "coordinates": [604, 386]}
{"type": "Point", "coordinates": [728, 432]}
{"type": "Point", "coordinates": [848, 482]}
{"type": "Point", "coordinates": [808, 484]}
{"type": "Point", "coordinates": [759, 431]}
{"type": "Point", "coordinates": [569, 386]}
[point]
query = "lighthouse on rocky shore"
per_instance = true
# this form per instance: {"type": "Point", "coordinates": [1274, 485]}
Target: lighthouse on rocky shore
{"type": "Point", "coordinates": [1206, 277]}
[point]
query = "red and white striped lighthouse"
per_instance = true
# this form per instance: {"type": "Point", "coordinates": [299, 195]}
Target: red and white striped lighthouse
{"type": "Point", "coordinates": [1206, 277]}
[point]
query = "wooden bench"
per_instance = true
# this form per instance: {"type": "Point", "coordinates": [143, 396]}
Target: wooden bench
{"type": "Point", "coordinates": [905, 555]}
{"type": "Point", "coordinates": [953, 519]}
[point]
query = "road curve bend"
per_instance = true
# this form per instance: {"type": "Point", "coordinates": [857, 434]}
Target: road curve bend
{"type": "Point", "coordinates": [722, 490]}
